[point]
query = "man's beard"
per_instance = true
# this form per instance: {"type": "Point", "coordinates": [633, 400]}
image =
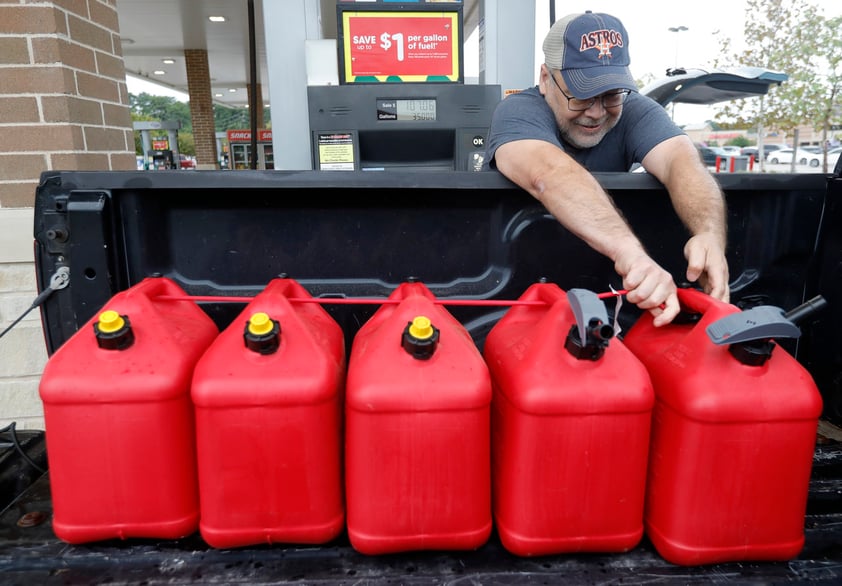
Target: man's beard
{"type": "Point", "coordinates": [585, 141]}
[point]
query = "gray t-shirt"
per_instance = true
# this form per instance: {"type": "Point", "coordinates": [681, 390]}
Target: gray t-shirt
{"type": "Point", "coordinates": [526, 115]}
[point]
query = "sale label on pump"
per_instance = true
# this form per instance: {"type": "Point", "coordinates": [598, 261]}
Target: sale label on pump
{"type": "Point", "coordinates": [406, 46]}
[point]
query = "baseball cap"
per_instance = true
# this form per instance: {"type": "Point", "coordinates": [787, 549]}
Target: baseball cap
{"type": "Point", "coordinates": [592, 52]}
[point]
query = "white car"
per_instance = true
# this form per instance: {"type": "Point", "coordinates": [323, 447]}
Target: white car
{"type": "Point", "coordinates": [785, 156]}
{"type": "Point", "coordinates": [832, 156]}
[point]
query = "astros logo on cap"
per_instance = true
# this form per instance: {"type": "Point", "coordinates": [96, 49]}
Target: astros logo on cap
{"type": "Point", "coordinates": [602, 40]}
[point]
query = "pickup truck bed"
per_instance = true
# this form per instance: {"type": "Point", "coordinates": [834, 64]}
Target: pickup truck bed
{"type": "Point", "coordinates": [466, 236]}
{"type": "Point", "coordinates": [30, 555]}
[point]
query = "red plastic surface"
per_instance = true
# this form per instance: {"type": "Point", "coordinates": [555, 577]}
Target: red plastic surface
{"type": "Point", "coordinates": [269, 427]}
{"type": "Point", "coordinates": [569, 437]}
{"type": "Point", "coordinates": [119, 423]}
{"type": "Point", "coordinates": [417, 434]}
{"type": "Point", "coordinates": [732, 445]}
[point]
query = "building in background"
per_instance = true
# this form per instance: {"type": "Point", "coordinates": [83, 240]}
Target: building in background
{"type": "Point", "coordinates": [63, 105]}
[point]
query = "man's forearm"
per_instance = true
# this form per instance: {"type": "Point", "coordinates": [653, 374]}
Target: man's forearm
{"type": "Point", "coordinates": [576, 199]}
{"type": "Point", "coordinates": [700, 204]}
{"type": "Point", "coordinates": [572, 195]}
{"type": "Point", "coordinates": [694, 192]}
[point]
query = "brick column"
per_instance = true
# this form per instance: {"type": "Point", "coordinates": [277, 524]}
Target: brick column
{"type": "Point", "coordinates": [63, 105]}
{"type": "Point", "coordinates": [63, 97]}
{"type": "Point", "coordinates": [201, 107]}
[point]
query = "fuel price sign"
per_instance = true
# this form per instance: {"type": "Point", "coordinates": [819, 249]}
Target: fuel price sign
{"type": "Point", "coordinates": [401, 46]}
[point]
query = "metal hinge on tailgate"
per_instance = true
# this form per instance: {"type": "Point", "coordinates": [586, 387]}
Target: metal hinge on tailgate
{"type": "Point", "coordinates": [59, 280]}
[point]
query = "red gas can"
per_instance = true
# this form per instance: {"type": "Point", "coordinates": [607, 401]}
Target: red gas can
{"type": "Point", "coordinates": [733, 434]}
{"type": "Point", "coordinates": [268, 398]}
{"type": "Point", "coordinates": [570, 427]}
{"type": "Point", "coordinates": [119, 422]}
{"type": "Point", "coordinates": [417, 430]}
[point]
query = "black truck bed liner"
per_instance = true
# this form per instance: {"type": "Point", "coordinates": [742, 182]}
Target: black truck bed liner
{"type": "Point", "coordinates": [30, 555]}
{"type": "Point", "coordinates": [466, 236]}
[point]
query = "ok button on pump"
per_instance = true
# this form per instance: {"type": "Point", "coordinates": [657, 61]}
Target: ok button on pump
{"type": "Point", "coordinates": [478, 141]}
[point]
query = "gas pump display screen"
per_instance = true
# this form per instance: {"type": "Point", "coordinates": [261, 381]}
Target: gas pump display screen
{"type": "Point", "coordinates": [415, 109]}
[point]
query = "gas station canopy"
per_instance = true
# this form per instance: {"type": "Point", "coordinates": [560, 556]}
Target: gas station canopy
{"type": "Point", "coordinates": [155, 34]}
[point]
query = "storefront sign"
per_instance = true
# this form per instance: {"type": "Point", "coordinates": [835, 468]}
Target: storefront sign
{"type": "Point", "coordinates": [263, 135]}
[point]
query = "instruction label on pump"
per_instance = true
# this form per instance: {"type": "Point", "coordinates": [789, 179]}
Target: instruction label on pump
{"type": "Point", "coordinates": [336, 151]}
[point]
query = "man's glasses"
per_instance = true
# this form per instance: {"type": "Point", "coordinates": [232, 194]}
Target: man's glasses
{"type": "Point", "coordinates": [609, 100]}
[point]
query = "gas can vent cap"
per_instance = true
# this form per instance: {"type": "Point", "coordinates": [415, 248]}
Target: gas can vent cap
{"type": "Point", "coordinates": [113, 331]}
{"type": "Point", "coordinates": [262, 334]}
{"type": "Point", "coordinates": [420, 338]}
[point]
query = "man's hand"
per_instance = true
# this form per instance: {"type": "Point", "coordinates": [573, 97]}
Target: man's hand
{"type": "Point", "coordinates": [699, 202]}
{"type": "Point", "coordinates": [706, 264]}
{"type": "Point", "coordinates": [648, 285]}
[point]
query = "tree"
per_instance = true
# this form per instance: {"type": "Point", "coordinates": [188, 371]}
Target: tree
{"type": "Point", "coordinates": [186, 144]}
{"type": "Point", "coordinates": [792, 37]}
{"type": "Point", "coordinates": [161, 108]}
{"type": "Point", "coordinates": [226, 118]}
{"type": "Point", "coordinates": [148, 107]}
{"type": "Point", "coordinates": [740, 141]}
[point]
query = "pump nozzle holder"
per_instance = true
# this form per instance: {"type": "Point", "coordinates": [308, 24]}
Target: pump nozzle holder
{"type": "Point", "coordinates": [589, 337]}
{"type": "Point", "coordinates": [806, 309]}
{"type": "Point", "coordinates": [749, 334]}
{"type": "Point", "coordinates": [596, 336]}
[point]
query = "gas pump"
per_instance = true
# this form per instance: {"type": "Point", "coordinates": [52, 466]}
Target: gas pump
{"type": "Point", "coordinates": [162, 159]}
{"type": "Point", "coordinates": [401, 102]}
{"type": "Point", "coordinates": [163, 154]}
{"type": "Point", "coordinates": [431, 127]}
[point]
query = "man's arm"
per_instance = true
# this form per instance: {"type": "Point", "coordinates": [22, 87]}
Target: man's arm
{"type": "Point", "coordinates": [575, 198]}
{"type": "Point", "coordinates": [699, 203]}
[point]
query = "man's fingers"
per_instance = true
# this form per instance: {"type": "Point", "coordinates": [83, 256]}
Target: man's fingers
{"type": "Point", "coordinates": [695, 263]}
{"type": "Point", "coordinates": [706, 264]}
{"type": "Point", "coordinates": [655, 293]}
{"type": "Point", "coordinates": [666, 312]}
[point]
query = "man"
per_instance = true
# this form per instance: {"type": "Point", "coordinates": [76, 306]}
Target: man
{"type": "Point", "coordinates": [585, 115]}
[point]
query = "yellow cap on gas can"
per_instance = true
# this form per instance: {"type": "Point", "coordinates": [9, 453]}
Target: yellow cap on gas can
{"type": "Point", "coordinates": [262, 334]}
{"type": "Point", "coordinates": [113, 331]}
{"type": "Point", "coordinates": [420, 338]}
{"type": "Point", "coordinates": [110, 321]}
{"type": "Point", "coordinates": [421, 328]}
{"type": "Point", "coordinates": [260, 324]}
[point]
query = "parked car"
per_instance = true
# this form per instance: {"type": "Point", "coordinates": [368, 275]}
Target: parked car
{"type": "Point", "coordinates": [709, 154]}
{"type": "Point", "coordinates": [731, 150]}
{"type": "Point", "coordinates": [767, 148]}
{"type": "Point", "coordinates": [186, 162]}
{"type": "Point", "coordinates": [786, 155]}
{"type": "Point", "coordinates": [816, 159]}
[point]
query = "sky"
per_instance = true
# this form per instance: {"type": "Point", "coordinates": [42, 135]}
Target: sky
{"type": "Point", "coordinates": [653, 47]}
{"type": "Point", "coordinates": [138, 86]}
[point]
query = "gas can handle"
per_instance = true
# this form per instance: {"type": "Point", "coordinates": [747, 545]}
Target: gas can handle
{"type": "Point", "coordinates": [694, 300]}
{"type": "Point", "coordinates": [590, 314]}
{"type": "Point", "coordinates": [763, 322]}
